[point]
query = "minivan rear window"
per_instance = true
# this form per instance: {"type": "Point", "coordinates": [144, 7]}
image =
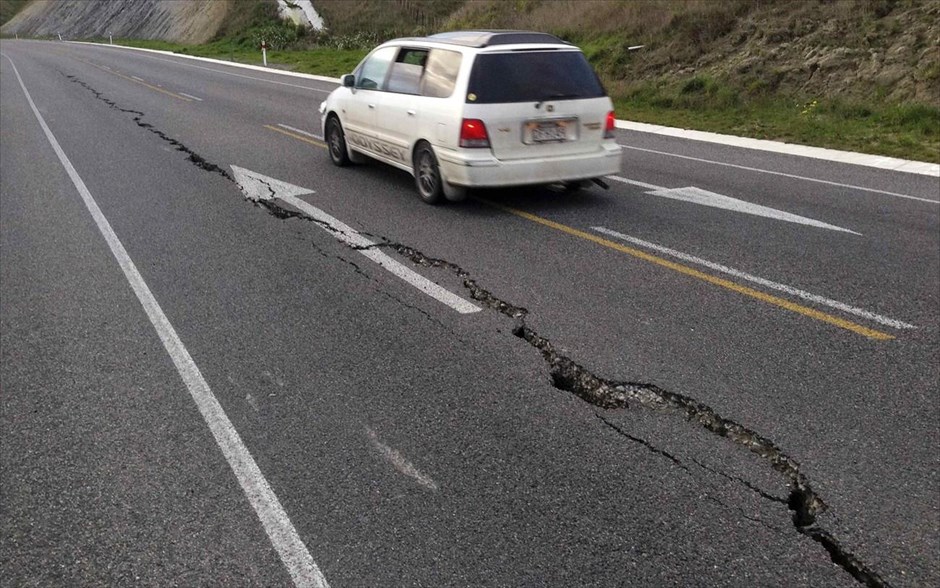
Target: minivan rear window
{"type": "Point", "coordinates": [526, 76]}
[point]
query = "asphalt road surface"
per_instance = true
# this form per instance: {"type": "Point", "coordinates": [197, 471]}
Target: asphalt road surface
{"type": "Point", "coordinates": [343, 386]}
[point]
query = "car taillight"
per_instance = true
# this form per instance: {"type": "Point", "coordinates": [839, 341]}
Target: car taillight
{"type": "Point", "coordinates": [610, 126]}
{"type": "Point", "coordinates": [473, 133]}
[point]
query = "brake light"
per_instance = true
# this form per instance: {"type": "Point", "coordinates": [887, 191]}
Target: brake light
{"type": "Point", "coordinates": [473, 133]}
{"type": "Point", "coordinates": [610, 126]}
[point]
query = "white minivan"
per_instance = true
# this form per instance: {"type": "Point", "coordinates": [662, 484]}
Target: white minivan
{"type": "Point", "coordinates": [471, 109]}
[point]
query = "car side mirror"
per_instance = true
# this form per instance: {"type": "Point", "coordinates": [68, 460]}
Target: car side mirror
{"type": "Point", "coordinates": [349, 80]}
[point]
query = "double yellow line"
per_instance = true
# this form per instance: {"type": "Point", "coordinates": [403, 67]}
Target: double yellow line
{"type": "Point", "coordinates": [662, 262]}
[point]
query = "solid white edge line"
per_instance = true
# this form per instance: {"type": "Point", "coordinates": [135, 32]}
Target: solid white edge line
{"type": "Point", "coordinates": [877, 161]}
{"type": "Point", "coordinates": [758, 280]}
{"type": "Point", "coordinates": [292, 551]}
{"type": "Point", "coordinates": [190, 96]}
{"type": "Point", "coordinates": [863, 159]}
{"type": "Point", "coordinates": [350, 236]}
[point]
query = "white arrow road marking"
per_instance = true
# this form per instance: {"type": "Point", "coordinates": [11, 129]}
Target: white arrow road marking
{"type": "Point", "coordinates": [706, 198]}
{"type": "Point", "coordinates": [260, 187]}
{"type": "Point", "coordinates": [785, 175]}
{"type": "Point", "coordinates": [757, 280]}
{"type": "Point", "coordinates": [294, 554]}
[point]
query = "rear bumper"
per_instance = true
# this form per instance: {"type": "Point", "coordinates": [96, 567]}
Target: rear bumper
{"type": "Point", "coordinates": [478, 168]}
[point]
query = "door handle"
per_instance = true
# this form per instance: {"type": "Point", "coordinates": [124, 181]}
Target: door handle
{"type": "Point", "coordinates": [411, 113]}
{"type": "Point", "coordinates": [372, 106]}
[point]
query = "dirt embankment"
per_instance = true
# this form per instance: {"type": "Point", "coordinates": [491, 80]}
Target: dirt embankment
{"type": "Point", "coordinates": [883, 49]}
{"type": "Point", "coordinates": [847, 49]}
{"type": "Point", "coordinates": [182, 21]}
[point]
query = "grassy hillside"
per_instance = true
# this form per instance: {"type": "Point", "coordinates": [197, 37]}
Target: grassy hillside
{"type": "Point", "coordinates": [10, 7]}
{"type": "Point", "coordinates": [862, 75]}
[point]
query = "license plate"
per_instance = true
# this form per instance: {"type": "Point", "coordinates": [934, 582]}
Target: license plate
{"type": "Point", "coordinates": [548, 132]}
{"type": "Point", "coordinates": [554, 131]}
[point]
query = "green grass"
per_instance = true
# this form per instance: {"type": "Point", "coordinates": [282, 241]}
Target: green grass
{"type": "Point", "coordinates": [908, 131]}
{"type": "Point", "coordinates": [699, 102]}
{"type": "Point", "coordinates": [320, 61]}
{"type": "Point", "coordinates": [8, 8]}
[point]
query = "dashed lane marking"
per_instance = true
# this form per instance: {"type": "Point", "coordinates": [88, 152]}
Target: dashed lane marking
{"type": "Point", "coordinates": [889, 322]}
{"type": "Point", "coordinates": [692, 272]}
{"type": "Point", "coordinates": [137, 81]}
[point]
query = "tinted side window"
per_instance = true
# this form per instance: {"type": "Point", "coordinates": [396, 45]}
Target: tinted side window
{"type": "Point", "coordinates": [405, 76]}
{"type": "Point", "coordinates": [532, 76]}
{"type": "Point", "coordinates": [440, 73]}
{"type": "Point", "coordinates": [372, 73]}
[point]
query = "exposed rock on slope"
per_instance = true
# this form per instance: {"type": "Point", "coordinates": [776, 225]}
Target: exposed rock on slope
{"type": "Point", "coordinates": [183, 21]}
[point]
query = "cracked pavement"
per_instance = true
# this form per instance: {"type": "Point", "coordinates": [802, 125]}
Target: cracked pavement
{"type": "Point", "coordinates": [494, 393]}
{"type": "Point", "coordinates": [569, 376]}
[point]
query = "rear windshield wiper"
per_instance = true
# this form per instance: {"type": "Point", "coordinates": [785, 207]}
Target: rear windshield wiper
{"type": "Point", "coordinates": [555, 97]}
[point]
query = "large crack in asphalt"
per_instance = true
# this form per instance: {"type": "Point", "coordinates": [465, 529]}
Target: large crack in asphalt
{"type": "Point", "coordinates": [569, 376]}
{"type": "Point", "coordinates": [271, 206]}
{"type": "Point", "coordinates": [193, 157]}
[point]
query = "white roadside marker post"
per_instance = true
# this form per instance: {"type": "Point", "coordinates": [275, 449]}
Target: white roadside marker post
{"type": "Point", "coordinates": [264, 52]}
{"type": "Point", "coordinates": [110, 39]}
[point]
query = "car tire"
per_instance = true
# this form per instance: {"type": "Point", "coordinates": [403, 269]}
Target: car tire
{"type": "Point", "coordinates": [427, 172]}
{"type": "Point", "coordinates": [336, 142]}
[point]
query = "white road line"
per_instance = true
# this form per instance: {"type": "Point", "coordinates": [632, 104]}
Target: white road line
{"type": "Point", "coordinates": [850, 157]}
{"type": "Point", "coordinates": [277, 525]}
{"type": "Point", "coordinates": [190, 96]}
{"type": "Point", "coordinates": [399, 462]}
{"type": "Point", "coordinates": [776, 173]}
{"type": "Point", "coordinates": [706, 198]}
{"type": "Point", "coordinates": [636, 183]}
{"type": "Point", "coordinates": [138, 79]}
{"type": "Point", "coordinates": [228, 64]}
{"type": "Point", "coordinates": [753, 144]}
{"type": "Point", "coordinates": [757, 280]}
{"type": "Point", "coordinates": [366, 247]}
{"type": "Point", "coordinates": [296, 130]}
{"type": "Point", "coordinates": [260, 187]}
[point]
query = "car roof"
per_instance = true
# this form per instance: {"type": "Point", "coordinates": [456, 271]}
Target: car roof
{"type": "Point", "coordinates": [488, 38]}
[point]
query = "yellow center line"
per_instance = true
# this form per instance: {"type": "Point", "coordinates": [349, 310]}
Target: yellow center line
{"type": "Point", "coordinates": [130, 79]}
{"type": "Point", "coordinates": [762, 296]}
{"type": "Point", "coordinates": [296, 136]}
{"type": "Point", "coordinates": [678, 267]}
